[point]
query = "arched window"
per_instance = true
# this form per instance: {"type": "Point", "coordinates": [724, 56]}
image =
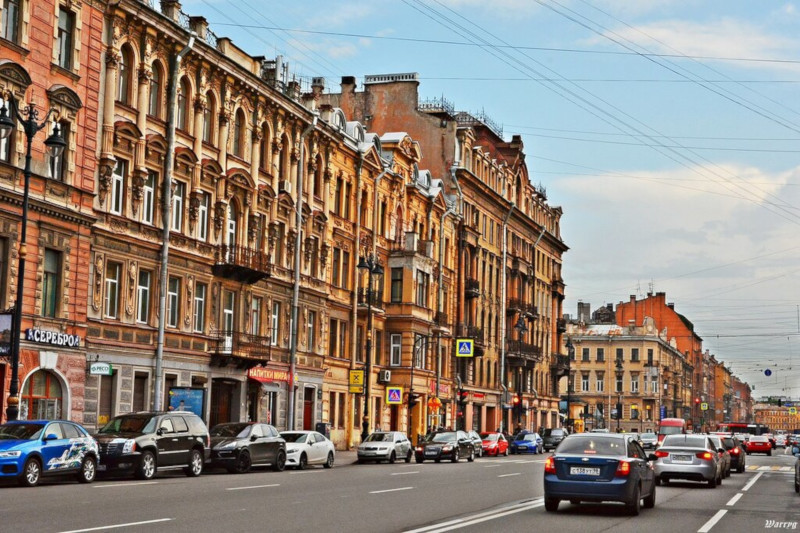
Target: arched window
{"type": "Point", "coordinates": [318, 176]}
{"type": "Point", "coordinates": [209, 114]}
{"type": "Point", "coordinates": [124, 75]}
{"type": "Point", "coordinates": [230, 236]}
{"type": "Point", "coordinates": [283, 160]}
{"type": "Point", "coordinates": [183, 104]}
{"type": "Point", "coordinates": [239, 128]}
{"type": "Point", "coordinates": [263, 148]}
{"type": "Point", "coordinates": [41, 397]}
{"type": "Point", "coordinates": [156, 84]}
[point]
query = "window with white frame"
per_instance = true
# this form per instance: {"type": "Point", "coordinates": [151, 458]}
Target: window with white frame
{"type": "Point", "coordinates": [57, 166]}
{"type": "Point", "coordinates": [635, 383]}
{"type": "Point", "coordinates": [112, 290]}
{"type": "Point", "coordinates": [600, 383]}
{"type": "Point", "coordinates": [143, 297]}
{"type": "Point", "coordinates": [311, 330]}
{"type": "Point", "coordinates": [619, 384]}
{"type": "Point", "coordinates": [395, 349]}
{"type": "Point", "coordinates": [66, 37]}
{"type": "Point", "coordinates": [148, 196]}
{"type": "Point", "coordinates": [228, 306]}
{"type": "Point", "coordinates": [585, 383]}
{"type": "Point", "coordinates": [202, 217]}
{"type": "Point", "coordinates": [200, 307]}
{"type": "Point", "coordinates": [255, 316]}
{"type": "Point", "coordinates": [118, 186]}
{"type": "Point", "coordinates": [177, 206]}
{"type": "Point", "coordinates": [12, 17]}
{"type": "Point", "coordinates": [173, 300]}
{"type": "Point", "coordinates": [276, 315]}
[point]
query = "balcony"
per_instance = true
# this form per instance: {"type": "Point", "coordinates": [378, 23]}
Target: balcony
{"type": "Point", "coordinates": [523, 354]}
{"type": "Point", "coordinates": [240, 349]}
{"type": "Point", "coordinates": [531, 311]}
{"type": "Point", "coordinates": [473, 332]}
{"type": "Point", "coordinates": [561, 325]}
{"type": "Point", "coordinates": [242, 264]}
{"type": "Point", "coordinates": [514, 306]}
{"type": "Point", "coordinates": [472, 288]}
{"type": "Point", "coordinates": [375, 298]}
{"type": "Point", "coordinates": [561, 366]}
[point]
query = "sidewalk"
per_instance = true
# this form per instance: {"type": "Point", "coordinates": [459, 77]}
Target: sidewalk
{"type": "Point", "coordinates": [346, 457]}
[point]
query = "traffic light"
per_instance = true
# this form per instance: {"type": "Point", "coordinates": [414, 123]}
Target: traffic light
{"type": "Point", "coordinates": [619, 411]}
{"type": "Point", "coordinates": [413, 399]}
{"type": "Point", "coordinates": [780, 402]}
{"type": "Point", "coordinates": [697, 401]}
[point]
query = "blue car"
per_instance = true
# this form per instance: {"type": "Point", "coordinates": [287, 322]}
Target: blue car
{"type": "Point", "coordinates": [30, 449]}
{"type": "Point", "coordinates": [526, 442]}
{"type": "Point", "coordinates": [597, 467]}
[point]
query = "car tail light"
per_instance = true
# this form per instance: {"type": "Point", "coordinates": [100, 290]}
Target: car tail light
{"type": "Point", "coordinates": [735, 451]}
{"type": "Point", "coordinates": [623, 469]}
{"type": "Point", "coordinates": [705, 455]}
{"type": "Point", "coordinates": [550, 466]}
{"type": "Point", "coordinates": [659, 453]}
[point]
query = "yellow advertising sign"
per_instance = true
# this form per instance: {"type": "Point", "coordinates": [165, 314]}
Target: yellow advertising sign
{"type": "Point", "coordinates": [357, 377]}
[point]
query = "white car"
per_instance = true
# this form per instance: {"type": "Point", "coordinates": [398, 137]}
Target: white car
{"type": "Point", "coordinates": [385, 446]}
{"type": "Point", "coordinates": [305, 448]}
{"type": "Point", "coordinates": [780, 441]}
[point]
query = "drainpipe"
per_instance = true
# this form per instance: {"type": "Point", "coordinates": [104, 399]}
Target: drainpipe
{"type": "Point", "coordinates": [297, 267]}
{"type": "Point", "coordinates": [459, 293]}
{"type": "Point", "coordinates": [503, 291]}
{"type": "Point", "coordinates": [166, 211]}
{"type": "Point", "coordinates": [387, 168]}
{"type": "Point", "coordinates": [451, 210]}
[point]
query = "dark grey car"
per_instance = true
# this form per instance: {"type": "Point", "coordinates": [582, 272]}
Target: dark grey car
{"type": "Point", "coordinates": [552, 437]}
{"type": "Point", "coordinates": [239, 446]}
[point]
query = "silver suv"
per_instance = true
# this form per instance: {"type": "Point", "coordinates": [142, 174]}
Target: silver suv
{"type": "Point", "coordinates": [552, 437]}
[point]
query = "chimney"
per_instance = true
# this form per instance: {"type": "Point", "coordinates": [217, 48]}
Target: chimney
{"type": "Point", "coordinates": [671, 305]}
{"type": "Point", "coordinates": [200, 26]}
{"type": "Point", "coordinates": [633, 298]}
{"type": "Point", "coordinates": [348, 84]}
{"type": "Point", "coordinates": [171, 9]}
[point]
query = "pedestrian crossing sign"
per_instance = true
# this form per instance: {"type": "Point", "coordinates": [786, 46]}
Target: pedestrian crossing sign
{"type": "Point", "coordinates": [394, 395]}
{"type": "Point", "coordinates": [793, 410]}
{"type": "Point", "coordinates": [464, 347]}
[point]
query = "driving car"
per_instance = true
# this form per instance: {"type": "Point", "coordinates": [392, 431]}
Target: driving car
{"type": "Point", "coordinates": [145, 442]}
{"type": "Point", "coordinates": [32, 449]}
{"type": "Point", "coordinates": [736, 450]}
{"type": "Point", "coordinates": [597, 467]}
{"type": "Point", "coordinates": [239, 446]}
{"type": "Point", "coordinates": [440, 445]}
{"type": "Point", "coordinates": [385, 446]}
{"type": "Point", "coordinates": [724, 455]}
{"type": "Point", "coordinates": [690, 457]}
{"type": "Point", "coordinates": [477, 442]}
{"type": "Point", "coordinates": [494, 443]}
{"type": "Point", "coordinates": [552, 437]}
{"type": "Point", "coordinates": [759, 444]}
{"type": "Point", "coordinates": [526, 442]}
{"type": "Point", "coordinates": [305, 448]}
{"type": "Point", "coordinates": [649, 440]}
{"type": "Point", "coordinates": [796, 453]}
{"type": "Point", "coordinates": [780, 441]}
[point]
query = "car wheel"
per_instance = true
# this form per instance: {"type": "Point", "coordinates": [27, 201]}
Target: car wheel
{"type": "Point", "coordinates": [650, 501]}
{"type": "Point", "coordinates": [280, 462]}
{"type": "Point", "coordinates": [575, 502]}
{"type": "Point", "coordinates": [392, 458]}
{"type": "Point", "coordinates": [636, 503]}
{"type": "Point", "coordinates": [719, 480]}
{"type": "Point", "coordinates": [505, 453]}
{"type": "Point", "coordinates": [471, 456]}
{"type": "Point", "coordinates": [31, 473]}
{"type": "Point", "coordinates": [796, 486]}
{"type": "Point", "coordinates": [769, 453]}
{"type": "Point", "coordinates": [408, 456]}
{"type": "Point", "coordinates": [741, 468]}
{"type": "Point", "coordinates": [418, 459]}
{"type": "Point", "coordinates": [302, 462]}
{"type": "Point", "coordinates": [712, 483]}
{"type": "Point", "coordinates": [658, 480]}
{"type": "Point", "coordinates": [88, 470]}
{"type": "Point", "coordinates": [147, 466]}
{"type": "Point", "coordinates": [243, 463]}
{"type": "Point", "coordinates": [551, 505]}
{"type": "Point", "coordinates": [329, 460]}
{"type": "Point", "coordinates": [455, 455]}
{"type": "Point", "coordinates": [195, 467]}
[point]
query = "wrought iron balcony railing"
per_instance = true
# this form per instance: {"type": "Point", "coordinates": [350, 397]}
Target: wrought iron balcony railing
{"type": "Point", "coordinates": [472, 288]}
{"type": "Point", "coordinates": [373, 298]}
{"type": "Point", "coordinates": [240, 263]}
{"type": "Point", "coordinates": [240, 344]}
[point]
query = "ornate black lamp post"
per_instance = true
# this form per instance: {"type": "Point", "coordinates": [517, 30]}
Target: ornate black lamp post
{"type": "Point", "coordinates": [570, 356]}
{"type": "Point", "coordinates": [371, 264]}
{"type": "Point", "coordinates": [27, 118]}
{"type": "Point", "coordinates": [522, 329]}
{"type": "Point", "coordinates": [619, 373]}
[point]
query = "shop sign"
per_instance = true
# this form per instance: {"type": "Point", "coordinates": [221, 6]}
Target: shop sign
{"type": "Point", "coordinates": [100, 369]}
{"type": "Point", "coordinates": [52, 337]}
{"type": "Point", "coordinates": [187, 399]}
{"type": "Point", "coordinates": [444, 389]}
{"type": "Point", "coordinates": [268, 374]}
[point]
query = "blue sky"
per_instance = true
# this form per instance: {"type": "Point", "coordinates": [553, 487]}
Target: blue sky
{"type": "Point", "coordinates": [666, 129]}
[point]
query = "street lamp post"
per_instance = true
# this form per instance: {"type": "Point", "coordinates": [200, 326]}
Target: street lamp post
{"type": "Point", "coordinates": [570, 355]}
{"type": "Point", "coordinates": [371, 264]}
{"type": "Point", "coordinates": [619, 373]}
{"type": "Point", "coordinates": [411, 397]}
{"type": "Point", "coordinates": [522, 329]}
{"type": "Point", "coordinates": [27, 118]}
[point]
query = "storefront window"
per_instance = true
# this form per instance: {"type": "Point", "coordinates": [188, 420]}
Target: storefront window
{"type": "Point", "coordinates": [41, 397]}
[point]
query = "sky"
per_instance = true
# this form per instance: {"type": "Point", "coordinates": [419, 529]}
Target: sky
{"type": "Point", "coordinates": [667, 131]}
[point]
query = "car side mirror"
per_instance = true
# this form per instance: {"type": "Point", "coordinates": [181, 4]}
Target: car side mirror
{"type": "Point", "coordinates": [161, 431]}
{"type": "Point", "coordinates": [721, 450]}
{"type": "Point", "coordinates": [50, 436]}
{"type": "Point", "coordinates": [253, 437]}
{"type": "Point", "coordinates": [652, 457]}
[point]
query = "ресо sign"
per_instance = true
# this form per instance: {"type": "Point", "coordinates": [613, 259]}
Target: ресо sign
{"type": "Point", "coordinates": [100, 369]}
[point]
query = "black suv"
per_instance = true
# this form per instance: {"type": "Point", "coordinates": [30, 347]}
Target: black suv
{"type": "Point", "coordinates": [145, 442]}
{"type": "Point", "coordinates": [552, 437]}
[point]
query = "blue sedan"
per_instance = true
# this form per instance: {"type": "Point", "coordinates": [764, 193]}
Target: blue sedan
{"type": "Point", "coordinates": [30, 449]}
{"type": "Point", "coordinates": [526, 442]}
{"type": "Point", "coordinates": [595, 467]}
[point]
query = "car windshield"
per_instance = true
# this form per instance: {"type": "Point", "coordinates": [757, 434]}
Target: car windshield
{"type": "Point", "coordinates": [594, 445]}
{"type": "Point", "coordinates": [489, 436]}
{"type": "Point", "coordinates": [380, 437]}
{"type": "Point", "coordinates": [648, 435]}
{"type": "Point", "coordinates": [294, 437]}
{"type": "Point", "coordinates": [21, 431]}
{"type": "Point", "coordinates": [716, 441]}
{"type": "Point", "coordinates": [670, 430]}
{"type": "Point", "coordinates": [687, 441]}
{"type": "Point", "coordinates": [554, 432]}
{"type": "Point", "coordinates": [138, 424]}
{"type": "Point", "coordinates": [728, 442]}
{"type": "Point", "coordinates": [529, 436]}
{"type": "Point", "coordinates": [447, 436]}
{"type": "Point", "coordinates": [240, 431]}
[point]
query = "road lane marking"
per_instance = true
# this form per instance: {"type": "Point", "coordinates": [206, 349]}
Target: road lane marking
{"type": "Point", "coordinates": [752, 481]}
{"type": "Point", "coordinates": [112, 485]}
{"type": "Point", "coordinates": [479, 517]}
{"type": "Point", "coordinates": [509, 475]}
{"type": "Point", "coordinates": [390, 490]}
{"type": "Point", "coordinates": [711, 523]}
{"type": "Point", "coordinates": [129, 524]}
{"type": "Point", "coordinates": [492, 466]}
{"type": "Point", "coordinates": [404, 473]}
{"type": "Point", "coordinates": [254, 487]}
{"type": "Point", "coordinates": [734, 499]}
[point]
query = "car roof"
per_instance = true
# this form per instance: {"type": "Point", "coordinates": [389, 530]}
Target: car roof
{"type": "Point", "coordinates": [36, 422]}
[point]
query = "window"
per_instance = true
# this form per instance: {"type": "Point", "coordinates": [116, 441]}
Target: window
{"type": "Point", "coordinates": [635, 383]}
{"type": "Point", "coordinates": [654, 384]}
{"type": "Point", "coordinates": [337, 199]}
{"type": "Point", "coordinates": [585, 383]}
{"type": "Point", "coordinates": [139, 391]}
{"type": "Point", "coordinates": [238, 134]}
{"type": "Point", "coordinates": [118, 186]}
{"type": "Point", "coordinates": [200, 307]}
{"type": "Point", "coordinates": [311, 327]}
{"type": "Point", "coordinates": [649, 357]}
{"type": "Point", "coordinates": [421, 349]}
{"type": "Point", "coordinates": [183, 105]}
{"type": "Point", "coordinates": [635, 355]}
{"type": "Point", "coordinates": [619, 383]}
{"type": "Point", "coordinates": [333, 327]}
{"type": "Point", "coordinates": [348, 195]}
{"type": "Point", "coordinates": [600, 383]}
{"type": "Point", "coordinates": [154, 109]}
{"type": "Point", "coordinates": [57, 166]}
{"type": "Point", "coordinates": [228, 306]}
{"type": "Point", "coordinates": [276, 314]}
{"type": "Point", "coordinates": [601, 355]}
{"type": "Point", "coordinates": [202, 216]}
{"type": "Point", "coordinates": [345, 270]}
{"type": "Point", "coordinates": [11, 20]}
{"type": "Point", "coordinates": [208, 118]}
{"type": "Point", "coordinates": [585, 355]}
{"type": "Point", "coordinates": [124, 76]}
{"type": "Point", "coordinates": [143, 297]}
{"type": "Point", "coordinates": [395, 346]}
{"type": "Point", "coordinates": [148, 197]}
{"type": "Point", "coordinates": [41, 397]}
{"type": "Point", "coordinates": [397, 285]}
{"type": "Point", "coordinates": [423, 279]}
{"type": "Point", "coordinates": [5, 144]}
{"type": "Point", "coordinates": [3, 271]}
{"type": "Point", "coordinates": [112, 290]}
{"type": "Point", "coordinates": [173, 300]}
{"type": "Point", "coordinates": [620, 356]}
{"type": "Point", "coordinates": [343, 346]}
{"type": "Point", "coordinates": [337, 257]}
{"type": "Point", "coordinates": [66, 35]}
{"type": "Point", "coordinates": [255, 316]}
{"type": "Point", "coordinates": [177, 205]}
{"type": "Point", "coordinates": [51, 271]}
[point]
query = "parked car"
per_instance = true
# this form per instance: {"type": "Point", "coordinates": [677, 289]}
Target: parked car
{"type": "Point", "coordinates": [149, 441]}
{"type": "Point", "coordinates": [385, 446]}
{"type": "Point", "coordinates": [477, 442]}
{"type": "Point", "coordinates": [724, 455]}
{"type": "Point", "coordinates": [691, 457]}
{"type": "Point", "coordinates": [759, 444]}
{"type": "Point", "coordinates": [494, 443]}
{"type": "Point", "coordinates": [31, 449]}
{"type": "Point", "coordinates": [239, 446]}
{"type": "Point", "coordinates": [305, 448]}
{"type": "Point", "coordinates": [596, 467]}
{"type": "Point", "coordinates": [736, 450]}
{"type": "Point", "coordinates": [796, 453]}
{"type": "Point", "coordinates": [440, 445]}
{"type": "Point", "coordinates": [600, 430]}
{"type": "Point", "coordinates": [649, 440]}
{"type": "Point", "coordinates": [526, 442]}
{"type": "Point", "coordinates": [552, 437]}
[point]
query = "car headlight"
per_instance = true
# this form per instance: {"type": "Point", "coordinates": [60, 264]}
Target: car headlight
{"type": "Point", "coordinates": [10, 454]}
{"type": "Point", "coordinates": [447, 448]}
{"type": "Point", "coordinates": [228, 446]}
{"type": "Point", "coordinates": [420, 448]}
{"type": "Point", "coordinates": [290, 452]}
{"type": "Point", "coordinates": [129, 446]}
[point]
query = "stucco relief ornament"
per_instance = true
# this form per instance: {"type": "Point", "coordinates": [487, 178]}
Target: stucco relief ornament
{"type": "Point", "coordinates": [187, 319]}
{"type": "Point", "coordinates": [137, 189]}
{"type": "Point", "coordinates": [219, 217]}
{"type": "Point", "coordinates": [252, 227]}
{"type": "Point", "coordinates": [308, 245]}
{"type": "Point", "coordinates": [129, 303]}
{"type": "Point", "coordinates": [272, 235]}
{"type": "Point", "coordinates": [323, 328]}
{"type": "Point", "coordinates": [288, 319]}
{"type": "Point", "coordinates": [194, 208]}
{"type": "Point", "coordinates": [212, 319]}
{"type": "Point", "coordinates": [323, 254]}
{"type": "Point", "coordinates": [291, 240]}
{"type": "Point", "coordinates": [105, 169]}
{"type": "Point", "coordinates": [97, 296]}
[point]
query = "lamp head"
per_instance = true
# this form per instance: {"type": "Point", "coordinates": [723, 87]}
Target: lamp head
{"type": "Point", "coordinates": [55, 143]}
{"type": "Point", "coordinates": [6, 123]}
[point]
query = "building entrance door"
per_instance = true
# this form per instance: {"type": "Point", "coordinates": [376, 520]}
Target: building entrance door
{"type": "Point", "coordinates": [221, 402]}
{"type": "Point", "coordinates": [308, 408]}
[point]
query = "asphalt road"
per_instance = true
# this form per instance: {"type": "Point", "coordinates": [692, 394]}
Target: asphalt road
{"type": "Point", "coordinates": [495, 493]}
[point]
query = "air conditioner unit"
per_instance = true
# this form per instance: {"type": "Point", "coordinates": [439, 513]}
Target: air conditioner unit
{"type": "Point", "coordinates": [384, 376]}
{"type": "Point", "coordinates": [283, 186]}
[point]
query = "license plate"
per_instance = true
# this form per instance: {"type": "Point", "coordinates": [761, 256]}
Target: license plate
{"type": "Point", "coordinates": [583, 471]}
{"type": "Point", "coordinates": [430, 452]}
{"type": "Point", "coordinates": [682, 458]}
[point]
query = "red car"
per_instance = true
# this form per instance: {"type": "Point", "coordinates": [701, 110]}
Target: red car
{"type": "Point", "coordinates": [758, 444]}
{"type": "Point", "coordinates": [494, 443]}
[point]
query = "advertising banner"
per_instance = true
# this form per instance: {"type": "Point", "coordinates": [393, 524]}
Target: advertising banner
{"type": "Point", "coordinates": [187, 399]}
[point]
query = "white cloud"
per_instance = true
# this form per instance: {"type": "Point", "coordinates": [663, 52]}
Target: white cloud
{"type": "Point", "coordinates": [343, 14]}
